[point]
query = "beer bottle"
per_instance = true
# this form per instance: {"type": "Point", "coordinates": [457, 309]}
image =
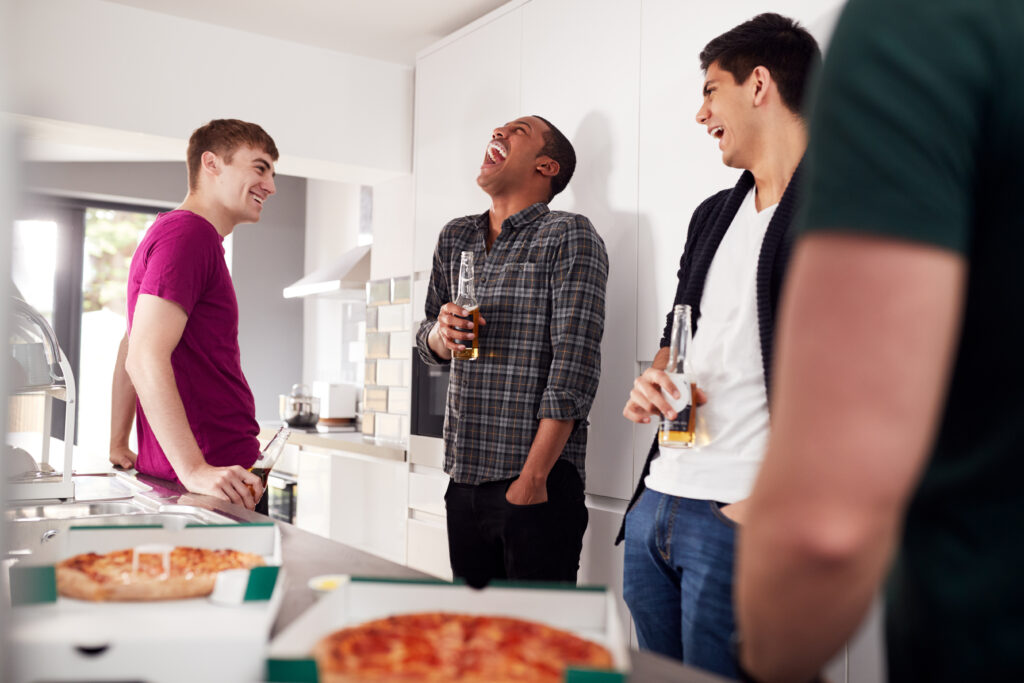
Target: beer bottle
{"type": "Point", "coordinates": [467, 300]}
{"type": "Point", "coordinates": [269, 456]}
{"type": "Point", "coordinates": [679, 433]}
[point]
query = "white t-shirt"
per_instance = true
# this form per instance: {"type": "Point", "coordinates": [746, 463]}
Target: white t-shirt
{"type": "Point", "coordinates": [732, 427]}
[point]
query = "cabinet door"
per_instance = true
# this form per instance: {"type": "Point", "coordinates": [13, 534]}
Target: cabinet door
{"type": "Point", "coordinates": [464, 90]}
{"type": "Point", "coordinates": [601, 561]}
{"type": "Point", "coordinates": [355, 499]}
{"type": "Point", "coordinates": [582, 76]}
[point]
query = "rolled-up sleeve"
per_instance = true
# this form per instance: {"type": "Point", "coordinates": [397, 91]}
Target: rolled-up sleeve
{"type": "Point", "coordinates": [438, 294]}
{"type": "Point", "coordinates": [579, 277]}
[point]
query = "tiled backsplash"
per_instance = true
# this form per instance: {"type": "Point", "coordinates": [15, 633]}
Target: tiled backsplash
{"type": "Point", "coordinates": [388, 352]}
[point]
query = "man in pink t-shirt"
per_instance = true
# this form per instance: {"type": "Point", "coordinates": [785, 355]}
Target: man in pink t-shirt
{"type": "Point", "coordinates": [179, 361]}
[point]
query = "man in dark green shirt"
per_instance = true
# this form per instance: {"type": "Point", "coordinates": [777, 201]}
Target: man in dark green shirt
{"type": "Point", "coordinates": [897, 436]}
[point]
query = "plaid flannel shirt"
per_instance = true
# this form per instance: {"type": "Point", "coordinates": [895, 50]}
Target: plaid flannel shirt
{"type": "Point", "coordinates": [541, 290]}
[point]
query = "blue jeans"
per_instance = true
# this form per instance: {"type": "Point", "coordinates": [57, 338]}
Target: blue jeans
{"type": "Point", "coordinates": [678, 579]}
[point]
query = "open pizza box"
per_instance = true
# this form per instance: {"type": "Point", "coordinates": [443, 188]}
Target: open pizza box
{"type": "Point", "coordinates": [587, 611]}
{"type": "Point", "coordinates": [222, 637]}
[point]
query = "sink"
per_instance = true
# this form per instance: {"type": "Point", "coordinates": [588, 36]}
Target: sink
{"type": "Point", "coordinates": [72, 510]}
{"type": "Point", "coordinates": [31, 528]}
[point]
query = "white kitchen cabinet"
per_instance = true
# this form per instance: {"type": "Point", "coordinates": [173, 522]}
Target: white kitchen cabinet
{"type": "Point", "coordinates": [428, 545]}
{"type": "Point", "coordinates": [464, 89]}
{"type": "Point", "coordinates": [356, 499]}
{"type": "Point", "coordinates": [582, 76]}
{"type": "Point", "coordinates": [393, 221]}
{"type": "Point", "coordinates": [601, 560]}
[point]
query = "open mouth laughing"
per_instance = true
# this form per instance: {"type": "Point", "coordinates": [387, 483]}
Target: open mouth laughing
{"type": "Point", "coordinates": [497, 152]}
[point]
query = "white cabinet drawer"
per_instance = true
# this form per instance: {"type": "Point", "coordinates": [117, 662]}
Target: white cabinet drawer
{"type": "Point", "coordinates": [428, 547]}
{"type": "Point", "coordinates": [426, 491]}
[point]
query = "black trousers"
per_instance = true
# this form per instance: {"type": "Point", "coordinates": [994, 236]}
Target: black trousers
{"type": "Point", "coordinates": [490, 538]}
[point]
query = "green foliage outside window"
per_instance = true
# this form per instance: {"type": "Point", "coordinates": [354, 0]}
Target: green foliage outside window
{"type": "Point", "coordinates": [110, 241]}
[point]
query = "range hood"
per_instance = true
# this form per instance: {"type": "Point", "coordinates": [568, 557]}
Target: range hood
{"type": "Point", "coordinates": [346, 276]}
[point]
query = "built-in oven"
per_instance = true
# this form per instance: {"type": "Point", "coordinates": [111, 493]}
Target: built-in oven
{"type": "Point", "coordinates": [429, 396]}
{"type": "Point", "coordinates": [282, 490]}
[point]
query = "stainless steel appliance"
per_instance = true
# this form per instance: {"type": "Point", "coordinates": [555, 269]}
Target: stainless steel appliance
{"type": "Point", "coordinates": [429, 396]}
{"type": "Point", "coordinates": [282, 498]}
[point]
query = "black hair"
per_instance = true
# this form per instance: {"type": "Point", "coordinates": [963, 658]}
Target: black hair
{"type": "Point", "coordinates": [558, 147]}
{"type": "Point", "coordinates": [773, 41]}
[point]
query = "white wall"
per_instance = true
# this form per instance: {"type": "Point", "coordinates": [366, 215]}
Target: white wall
{"type": "Point", "coordinates": [116, 67]}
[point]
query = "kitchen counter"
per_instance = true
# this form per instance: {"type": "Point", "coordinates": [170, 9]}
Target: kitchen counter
{"type": "Point", "coordinates": [306, 555]}
{"type": "Point", "coordinates": [353, 442]}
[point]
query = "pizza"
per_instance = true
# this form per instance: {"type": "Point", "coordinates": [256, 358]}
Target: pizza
{"type": "Point", "coordinates": [439, 646]}
{"type": "Point", "coordinates": [130, 574]}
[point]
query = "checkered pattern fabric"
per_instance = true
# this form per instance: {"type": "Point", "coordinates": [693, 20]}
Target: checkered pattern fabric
{"type": "Point", "coordinates": [542, 292]}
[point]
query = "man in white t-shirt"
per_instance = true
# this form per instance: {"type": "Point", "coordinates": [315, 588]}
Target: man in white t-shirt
{"type": "Point", "coordinates": [681, 525]}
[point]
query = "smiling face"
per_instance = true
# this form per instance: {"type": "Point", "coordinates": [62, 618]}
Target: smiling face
{"type": "Point", "coordinates": [727, 113]}
{"type": "Point", "coordinates": [243, 184]}
{"type": "Point", "coordinates": [511, 158]}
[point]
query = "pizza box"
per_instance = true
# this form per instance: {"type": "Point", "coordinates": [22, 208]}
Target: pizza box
{"type": "Point", "coordinates": [222, 637]}
{"type": "Point", "coordinates": [587, 611]}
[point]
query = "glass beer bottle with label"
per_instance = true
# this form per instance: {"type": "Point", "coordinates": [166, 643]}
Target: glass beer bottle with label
{"type": "Point", "coordinates": [467, 300]}
{"type": "Point", "coordinates": [269, 456]}
{"type": "Point", "coordinates": [679, 432]}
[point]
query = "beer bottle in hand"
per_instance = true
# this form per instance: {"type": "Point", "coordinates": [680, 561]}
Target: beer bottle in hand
{"type": "Point", "coordinates": [269, 456]}
{"type": "Point", "coordinates": [679, 433]}
{"type": "Point", "coordinates": [467, 300]}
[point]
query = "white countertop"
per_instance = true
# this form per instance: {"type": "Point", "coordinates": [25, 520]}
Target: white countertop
{"type": "Point", "coordinates": [352, 442]}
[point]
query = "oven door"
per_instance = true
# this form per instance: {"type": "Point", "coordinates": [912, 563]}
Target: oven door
{"type": "Point", "coordinates": [429, 397]}
{"type": "Point", "coordinates": [282, 490]}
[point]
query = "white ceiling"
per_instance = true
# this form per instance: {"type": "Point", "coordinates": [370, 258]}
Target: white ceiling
{"type": "Point", "coordinates": [389, 30]}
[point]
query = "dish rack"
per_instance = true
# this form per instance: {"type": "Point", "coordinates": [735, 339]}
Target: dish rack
{"type": "Point", "coordinates": [41, 368]}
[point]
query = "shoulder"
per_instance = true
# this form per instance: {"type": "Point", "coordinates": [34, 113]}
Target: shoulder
{"type": "Point", "coordinates": [571, 226]}
{"type": "Point", "coordinates": [183, 225]}
{"type": "Point", "coordinates": [463, 225]}
{"type": "Point", "coordinates": [708, 209]}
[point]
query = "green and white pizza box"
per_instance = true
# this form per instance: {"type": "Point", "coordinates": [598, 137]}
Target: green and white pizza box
{"type": "Point", "coordinates": [222, 637]}
{"type": "Point", "coordinates": [588, 611]}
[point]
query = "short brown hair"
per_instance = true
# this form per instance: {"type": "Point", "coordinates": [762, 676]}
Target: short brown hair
{"type": "Point", "coordinates": [223, 137]}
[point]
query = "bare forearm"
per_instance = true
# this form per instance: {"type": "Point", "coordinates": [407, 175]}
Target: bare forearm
{"type": "Point", "coordinates": [153, 378]}
{"type": "Point", "coordinates": [548, 444]}
{"type": "Point", "coordinates": [122, 401]}
{"type": "Point", "coordinates": [797, 604]}
{"type": "Point", "coordinates": [661, 359]}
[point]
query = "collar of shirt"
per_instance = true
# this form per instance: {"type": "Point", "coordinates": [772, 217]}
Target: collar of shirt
{"type": "Point", "coordinates": [519, 219]}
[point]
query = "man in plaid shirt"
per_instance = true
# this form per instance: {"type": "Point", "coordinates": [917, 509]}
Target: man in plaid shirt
{"type": "Point", "coordinates": [515, 431]}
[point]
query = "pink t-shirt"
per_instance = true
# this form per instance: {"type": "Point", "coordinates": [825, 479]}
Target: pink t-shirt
{"type": "Point", "coordinates": [181, 259]}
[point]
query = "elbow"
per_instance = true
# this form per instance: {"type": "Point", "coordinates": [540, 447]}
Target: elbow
{"type": "Point", "coordinates": [137, 363]}
{"type": "Point", "coordinates": [835, 540]}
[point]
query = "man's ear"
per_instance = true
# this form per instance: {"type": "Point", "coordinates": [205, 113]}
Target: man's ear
{"type": "Point", "coordinates": [547, 166]}
{"type": "Point", "coordinates": [210, 162]}
{"type": "Point", "coordinates": [760, 80]}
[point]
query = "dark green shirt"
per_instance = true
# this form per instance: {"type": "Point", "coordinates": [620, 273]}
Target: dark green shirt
{"type": "Point", "coordinates": [918, 133]}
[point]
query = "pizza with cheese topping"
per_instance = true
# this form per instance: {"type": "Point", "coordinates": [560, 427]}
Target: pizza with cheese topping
{"type": "Point", "coordinates": [180, 572]}
{"type": "Point", "coordinates": [440, 646]}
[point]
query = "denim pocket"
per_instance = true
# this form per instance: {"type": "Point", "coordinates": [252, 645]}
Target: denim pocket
{"type": "Point", "coordinates": [716, 511]}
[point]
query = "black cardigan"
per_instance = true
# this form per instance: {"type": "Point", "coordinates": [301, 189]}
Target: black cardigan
{"type": "Point", "coordinates": [707, 227]}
